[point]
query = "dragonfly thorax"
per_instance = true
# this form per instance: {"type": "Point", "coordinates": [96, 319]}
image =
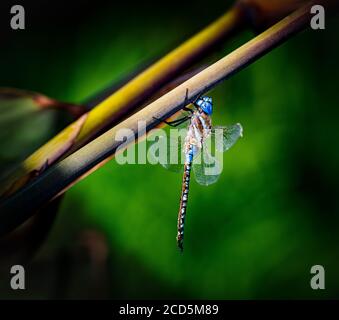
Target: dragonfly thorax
{"type": "Point", "coordinates": [198, 131]}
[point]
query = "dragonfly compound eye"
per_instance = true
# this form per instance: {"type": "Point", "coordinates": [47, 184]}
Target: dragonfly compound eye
{"type": "Point", "coordinates": [205, 103]}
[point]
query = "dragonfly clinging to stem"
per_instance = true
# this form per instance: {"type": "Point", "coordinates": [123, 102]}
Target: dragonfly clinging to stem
{"type": "Point", "coordinates": [206, 168]}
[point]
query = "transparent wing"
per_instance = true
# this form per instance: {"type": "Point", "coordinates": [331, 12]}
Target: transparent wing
{"type": "Point", "coordinates": [208, 164]}
{"type": "Point", "coordinates": [167, 148]}
{"type": "Point", "coordinates": [225, 137]}
{"type": "Point", "coordinates": [206, 168]}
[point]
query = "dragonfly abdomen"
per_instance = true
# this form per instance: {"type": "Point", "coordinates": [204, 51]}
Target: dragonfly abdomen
{"type": "Point", "coordinates": [184, 195]}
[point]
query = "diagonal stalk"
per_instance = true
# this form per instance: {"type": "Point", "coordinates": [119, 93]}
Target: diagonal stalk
{"type": "Point", "coordinates": [60, 177]}
{"type": "Point", "coordinates": [127, 98]}
{"type": "Point", "coordinates": [117, 105]}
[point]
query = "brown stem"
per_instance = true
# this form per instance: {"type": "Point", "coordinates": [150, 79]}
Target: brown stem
{"type": "Point", "coordinates": [126, 99]}
{"type": "Point", "coordinates": [79, 164]}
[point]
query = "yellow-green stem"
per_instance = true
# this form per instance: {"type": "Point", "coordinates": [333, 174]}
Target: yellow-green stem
{"type": "Point", "coordinates": [59, 178]}
{"type": "Point", "coordinates": [126, 98]}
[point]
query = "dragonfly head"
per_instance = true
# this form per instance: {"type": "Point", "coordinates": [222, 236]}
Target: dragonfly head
{"type": "Point", "coordinates": [205, 104]}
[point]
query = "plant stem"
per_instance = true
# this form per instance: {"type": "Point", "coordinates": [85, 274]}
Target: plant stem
{"type": "Point", "coordinates": [127, 98]}
{"type": "Point", "coordinates": [93, 155]}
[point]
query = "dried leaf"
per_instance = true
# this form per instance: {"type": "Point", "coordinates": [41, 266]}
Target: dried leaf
{"type": "Point", "coordinates": [265, 13]}
{"type": "Point", "coordinates": [27, 121]}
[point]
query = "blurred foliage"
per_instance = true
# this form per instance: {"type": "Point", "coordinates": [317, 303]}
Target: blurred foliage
{"type": "Point", "coordinates": [274, 212]}
{"type": "Point", "coordinates": [22, 110]}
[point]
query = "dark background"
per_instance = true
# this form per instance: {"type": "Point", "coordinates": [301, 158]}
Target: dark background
{"type": "Point", "coordinates": [254, 234]}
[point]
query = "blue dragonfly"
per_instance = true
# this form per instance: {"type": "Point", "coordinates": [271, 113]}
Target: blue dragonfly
{"type": "Point", "coordinates": [195, 151]}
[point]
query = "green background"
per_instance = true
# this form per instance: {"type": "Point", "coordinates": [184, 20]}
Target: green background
{"type": "Point", "coordinates": [257, 232]}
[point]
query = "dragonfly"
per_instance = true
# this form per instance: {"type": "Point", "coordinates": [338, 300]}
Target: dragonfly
{"type": "Point", "coordinates": [196, 151]}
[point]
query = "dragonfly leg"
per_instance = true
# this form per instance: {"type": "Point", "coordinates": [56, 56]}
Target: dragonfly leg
{"type": "Point", "coordinates": [186, 98]}
{"type": "Point", "coordinates": [174, 123]}
{"type": "Point", "coordinates": [162, 120]}
{"type": "Point", "coordinates": [187, 109]}
{"type": "Point", "coordinates": [179, 122]}
{"type": "Point", "coordinates": [186, 102]}
{"type": "Point", "coordinates": [196, 99]}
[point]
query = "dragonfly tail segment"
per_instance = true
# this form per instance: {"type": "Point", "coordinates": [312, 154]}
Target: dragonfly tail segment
{"type": "Point", "coordinates": [184, 198]}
